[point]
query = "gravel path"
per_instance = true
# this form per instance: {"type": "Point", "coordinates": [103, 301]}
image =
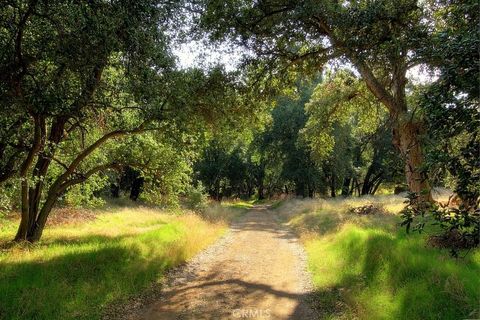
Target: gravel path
{"type": "Point", "coordinates": [256, 271]}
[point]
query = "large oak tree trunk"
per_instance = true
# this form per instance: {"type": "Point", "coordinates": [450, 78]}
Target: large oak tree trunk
{"type": "Point", "coordinates": [406, 136]}
{"type": "Point", "coordinates": [406, 130]}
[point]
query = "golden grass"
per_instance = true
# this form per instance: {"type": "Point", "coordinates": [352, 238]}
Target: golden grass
{"type": "Point", "coordinates": [78, 268]}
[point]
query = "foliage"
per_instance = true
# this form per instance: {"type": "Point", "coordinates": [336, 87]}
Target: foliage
{"type": "Point", "coordinates": [450, 106]}
{"type": "Point", "coordinates": [163, 165]}
{"type": "Point", "coordinates": [284, 148]}
{"type": "Point", "coordinates": [411, 211]}
{"type": "Point", "coordinates": [196, 197]}
{"type": "Point", "coordinates": [348, 134]}
{"type": "Point", "coordinates": [77, 78]}
{"type": "Point", "coordinates": [451, 102]}
{"type": "Point", "coordinates": [290, 154]}
{"type": "Point", "coordinates": [84, 195]}
{"type": "Point", "coordinates": [380, 39]}
{"type": "Point", "coordinates": [460, 226]}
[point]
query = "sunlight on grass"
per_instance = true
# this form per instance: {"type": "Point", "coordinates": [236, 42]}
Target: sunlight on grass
{"type": "Point", "coordinates": [225, 211]}
{"type": "Point", "coordinates": [366, 267]}
{"type": "Point", "coordinates": [77, 269]}
{"type": "Point", "coordinates": [241, 204]}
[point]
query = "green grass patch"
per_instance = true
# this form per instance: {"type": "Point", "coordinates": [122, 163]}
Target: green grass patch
{"type": "Point", "coordinates": [239, 204]}
{"type": "Point", "coordinates": [78, 269]}
{"type": "Point", "coordinates": [367, 267]}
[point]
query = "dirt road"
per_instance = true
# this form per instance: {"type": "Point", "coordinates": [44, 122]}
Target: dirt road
{"type": "Point", "coordinates": [256, 272]}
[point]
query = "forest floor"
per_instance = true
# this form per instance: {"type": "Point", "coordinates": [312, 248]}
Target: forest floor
{"type": "Point", "coordinates": [257, 270]}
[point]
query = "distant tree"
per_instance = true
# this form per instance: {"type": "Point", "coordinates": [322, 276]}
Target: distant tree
{"type": "Point", "coordinates": [212, 169]}
{"type": "Point", "coordinates": [379, 38]}
{"type": "Point", "coordinates": [348, 133]}
{"type": "Point", "coordinates": [281, 141]}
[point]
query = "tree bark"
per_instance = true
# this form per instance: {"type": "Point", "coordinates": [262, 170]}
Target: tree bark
{"type": "Point", "coordinates": [406, 133]}
{"type": "Point", "coordinates": [261, 194]}
{"type": "Point", "coordinates": [406, 139]}
{"type": "Point", "coordinates": [25, 186]}
{"type": "Point", "coordinates": [33, 219]}
{"type": "Point", "coordinates": [37, 230]}
{"type": "Point", "coordinates": [406, 130]}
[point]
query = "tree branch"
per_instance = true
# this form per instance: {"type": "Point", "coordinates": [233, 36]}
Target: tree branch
{"type": "Point", "coordinates": [83, 177]}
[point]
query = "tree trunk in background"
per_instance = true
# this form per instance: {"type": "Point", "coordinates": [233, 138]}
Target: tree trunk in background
{"type": "Point", "coordinates": [346, 187]}
{"type": "Point", "coordinates": [261, 194]}
{"type": "Point", "coordinates": [406, 139]}
{"type": "Point", "coordinates": [332, 187]}
{"type": "Point", "coordinates": [136, 188]}
{"type": "Point", "coordinates": [366, 186]}
{"type": "Point", "coordinates": [114, 190]}
{"type": "Point", "coordinates": [311, 191]}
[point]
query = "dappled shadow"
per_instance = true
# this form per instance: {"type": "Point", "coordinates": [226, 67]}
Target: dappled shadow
{"type": "Point", "coordinates": [221, 300]}
{"type": "Point", "coordinates": [256, 275]}
{"type": "Point", "coordinates": [264, 221]}
{"type": "Point", "coordinates": [407, 279]}
{"type": "Point", "coordinates": [369, 268]}
{"type": "Point", "coordinates": [325, 217]}
{"type": "Point", "coordinates": [86, 275]}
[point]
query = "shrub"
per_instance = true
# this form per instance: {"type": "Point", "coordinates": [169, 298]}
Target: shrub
{"type": "Point", "coordinates": [196, 197]}
{"type": "Point", "coordinates": [460, 226]}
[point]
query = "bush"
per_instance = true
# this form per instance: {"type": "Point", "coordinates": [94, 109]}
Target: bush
{"type": "Point", "coordinates": [84, 194]}
{"type": "Point", "coordinates": [9, 196]}
{"type": "Point", "coordinates": [196, 197]}
{"type": "Point", "coordinates": [460, 226]}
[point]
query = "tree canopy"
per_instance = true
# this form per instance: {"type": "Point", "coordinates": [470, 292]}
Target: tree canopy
{"type": "Point", "coordinates": [93, 101]}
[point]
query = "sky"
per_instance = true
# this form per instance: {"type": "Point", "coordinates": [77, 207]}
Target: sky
{"type": "Point", "coordinates": [197, 54]}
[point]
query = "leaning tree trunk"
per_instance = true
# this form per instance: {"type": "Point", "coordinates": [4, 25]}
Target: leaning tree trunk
{"type": "Point", "coordinates": [34, 217]}
{"type": "Point", "coordinates": [25, 213]}
{"type": "Point", "coordinates": [406, 137]}
{"type": "Point", "coordinates": [406, 133]}
{"type": "Point", "coordinates": [35, 233]}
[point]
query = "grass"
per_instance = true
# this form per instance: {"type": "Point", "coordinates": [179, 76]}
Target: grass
{"type": "Point", "coordinates": [225, 211]}
{"type": "Point", "coordinates": [366, 267]}
{"type": "Point", "coordinates": [78, 269]}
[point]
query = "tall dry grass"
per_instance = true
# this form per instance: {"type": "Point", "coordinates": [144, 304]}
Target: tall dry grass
{"type": "Point", "coordinates": [367, 267]}
{"type": "Point", "coordinates": [80, 267]}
